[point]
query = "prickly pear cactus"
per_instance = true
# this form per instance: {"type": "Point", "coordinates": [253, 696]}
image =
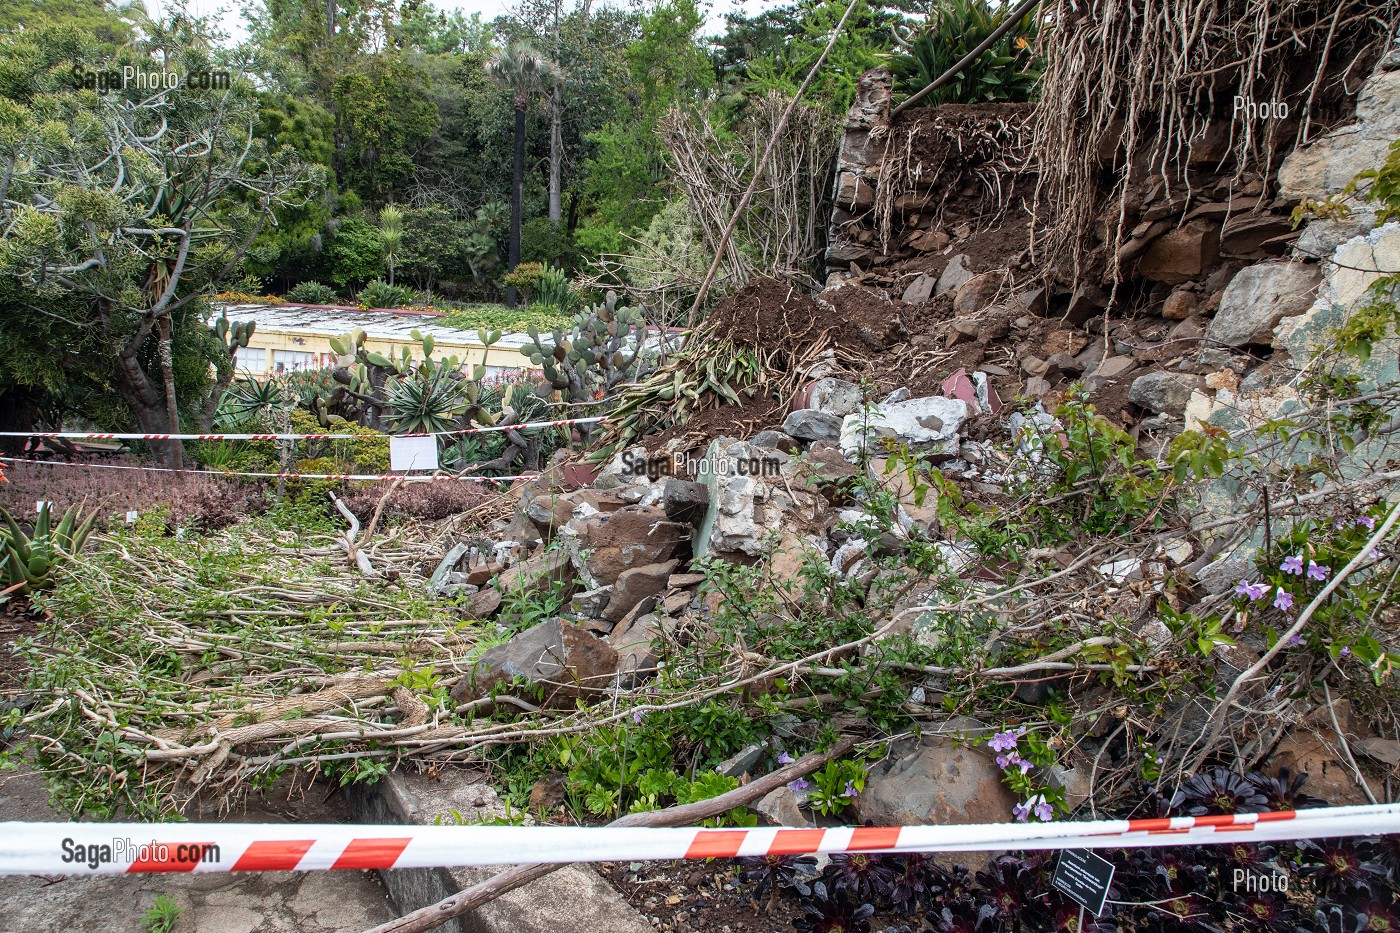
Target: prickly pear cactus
{"type": "Point", "coordinates": [233, 336]}
{"type": "Point", "coordinates": [604, 346]}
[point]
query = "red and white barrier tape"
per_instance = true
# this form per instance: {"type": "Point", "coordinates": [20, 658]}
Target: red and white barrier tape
{"type": "Point", "coordinates": [367, 477]}
{"type": "Point", "coordinates": [119, 848]}
{"type": "Point", "coordinates": [89, 436]}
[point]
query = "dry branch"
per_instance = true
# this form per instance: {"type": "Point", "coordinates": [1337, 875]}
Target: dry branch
{"type": "Point", "coordinates": [466, 901]}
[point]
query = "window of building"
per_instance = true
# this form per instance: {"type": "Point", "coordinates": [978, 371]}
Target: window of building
{"type": "Point", "coordinates": [250, 359]}
{"type": "Point", "coordinates": [290, 361]}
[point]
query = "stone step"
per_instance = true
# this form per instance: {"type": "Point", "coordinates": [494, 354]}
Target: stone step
{"type": "Point", "coordinates": [573, 899]}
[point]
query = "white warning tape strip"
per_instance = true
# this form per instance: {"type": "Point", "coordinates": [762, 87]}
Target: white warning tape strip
{"type": "Point", "coordinates": [91, 436]}
{"type": "Point", "coordinates": [119, 848]}
{"type": "Point", "coordinates": [368, 477]}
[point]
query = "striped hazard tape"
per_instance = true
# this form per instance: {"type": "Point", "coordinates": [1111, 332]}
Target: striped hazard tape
{"type": "Point", "coordinates": [92, 436]}
{"type": "Point", "coordinates": [366, 477]}
{"type": "Point", "coordinates": [120, 848]}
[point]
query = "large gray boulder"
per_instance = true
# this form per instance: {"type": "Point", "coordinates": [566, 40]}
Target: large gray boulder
{"type": "Point", "coordinates": [1326, 165]}
{"type": "Point", "coordinates": [1258, 298]}
{"type": "Point", "coordinates": [925, 425]}
{"type": "Point", "coordinates": [566, 661]}
{"type": "Point", "coordinates": [809, 424]}
{"type": "Point", "coordinates": [1164, 393]}
{"type": "Point", "coordinates": [932, 782]}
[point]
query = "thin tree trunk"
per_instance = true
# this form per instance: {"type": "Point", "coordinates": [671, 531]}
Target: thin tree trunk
{"type": "Point", "coordinates": [176, 449]}
{"type": "Point", "coordinates": [330, 20]}
{"type": "Point", "coordinates": [556, 155]}
{"type": "Point", "coordinates": [516, 200]}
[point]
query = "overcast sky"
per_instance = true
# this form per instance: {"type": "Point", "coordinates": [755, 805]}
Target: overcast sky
{"type": "Point", "coordinates": [232, 18]}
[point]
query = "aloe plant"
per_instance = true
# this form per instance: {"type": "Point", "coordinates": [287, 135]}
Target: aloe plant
{"type": "Point", "coordinates": [29, 559]}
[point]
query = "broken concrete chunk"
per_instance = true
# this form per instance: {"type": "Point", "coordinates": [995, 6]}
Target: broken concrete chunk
{"type": "Point", "coordinates": [925, 425]}
{"type": "Point", "coordinates": [836, 396]}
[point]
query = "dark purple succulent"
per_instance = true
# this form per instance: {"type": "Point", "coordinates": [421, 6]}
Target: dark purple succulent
{"type": "Point", "coordinates": [861, 877]}
{"type": "Point", "coordinates": [828, 912]}
{"type": "Point", "coordinates": [1218, 791]}
{"type": "Point", "coordinates": [961, 918]}
{"type": "Point", "coordinates": [1261, 911]}
{"type": "Point", "coordinates": [1284, 791]}
{"type": "Point", "coordinates": [771, 874]}
{"type": "Point", "coordinates": [1385, 852]}
{"type": "Point", "coordinates": [1169, 871]}
{"type": "Point", "coordinates": [911, 886]}
{"type": "Point", "coordinates": [1341, 868]}
{"type": "Point", "coordinates": [1376, 917]}
{"type": "Point", "coordinates": [1186, 911]}
{"type": "Point", "coordinates": [1244, 854]}
{"type": "Point", "coordinates": [949, 886]}
{"type": "Point", "coordinates": [1009, 893]}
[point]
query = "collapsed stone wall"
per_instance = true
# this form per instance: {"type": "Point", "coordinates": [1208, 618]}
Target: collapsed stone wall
{"type": "Point", "coordinates": [1194, 309]}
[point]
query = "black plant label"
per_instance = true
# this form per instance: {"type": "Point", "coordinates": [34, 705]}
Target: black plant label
{"type": "Point", "coordinates": [1084, 878]}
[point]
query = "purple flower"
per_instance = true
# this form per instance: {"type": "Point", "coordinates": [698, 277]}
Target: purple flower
{"type": "Point", "coordinates": [850, 790]}
{"type": "Point", "coordinates": [1375, 553]}
{"type": "Point", "coordinates": [1292, 564]}
{"type": "Point", "coordinates": [799, 785]}
{"type": "Point", "coordinates": [1013, 760]}
{"type": "Point", "coordinates": [1367, 522]}
{"type": "Point", "coordinates": [638, 714]}
{"type": "Point", "coordinates": [1005, 741]}
{"type": "Point", "coordinates": [1044, 811]}
{"type": "Point", "coordinates": [1252, 590]}
{"type": "Point", "coordinates": [1021, 810]}
{"type": "Point", "coordinates": [784, 758]}
{"type": "Point", "coordinates": [1284, 599]}
{"type": "Point", "coordinates": [1317, 571]}
{"type": "Point", "coordinates": [1295, 641]}
{"type": "Point", "coordinates": [1345, 652]}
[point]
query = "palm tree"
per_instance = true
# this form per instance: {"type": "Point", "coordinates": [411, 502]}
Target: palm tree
{"type": "Point", "coordinates": [525, 72]}
{"type": "Point", "coordinates": [390, 236]}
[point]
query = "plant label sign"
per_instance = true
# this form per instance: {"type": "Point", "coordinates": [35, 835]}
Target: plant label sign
{"type": "Point", "coordinates": [1084, 878]}
{"type": "Point", "coordinates": [413, 453]}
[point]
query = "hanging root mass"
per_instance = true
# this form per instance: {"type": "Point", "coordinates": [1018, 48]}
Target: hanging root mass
{"type": "Point", "coordinates": [1148, 77]}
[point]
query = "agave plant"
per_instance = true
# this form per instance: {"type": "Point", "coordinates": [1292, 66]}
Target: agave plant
{"type": "Point", "coordinates": [1007, 71]}
{"type": "Point", "coordinates": [425, 404]}
{"type": "Point", "coordinates": [254, 399]}
{"type": "Point", "coordinates": [29, 559]}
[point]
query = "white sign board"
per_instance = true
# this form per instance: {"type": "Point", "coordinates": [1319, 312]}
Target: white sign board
{"type": "Point", "coordinates": [413, 453]}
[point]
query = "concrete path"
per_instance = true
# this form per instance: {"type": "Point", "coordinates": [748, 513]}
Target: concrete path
{"type": "Point", "coordinates": [270, 902]}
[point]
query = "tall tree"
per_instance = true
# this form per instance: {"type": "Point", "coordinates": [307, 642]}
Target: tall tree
{"type": "Point", "coordinates": [133, 204]}
{"type": "Point", "coordinates": [526, 73]}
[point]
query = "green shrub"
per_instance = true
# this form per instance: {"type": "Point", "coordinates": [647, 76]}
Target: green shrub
{"type": "Point", "coordinates": [380, 294]}
{"type": "Point", "coordinates": [313, 293]}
